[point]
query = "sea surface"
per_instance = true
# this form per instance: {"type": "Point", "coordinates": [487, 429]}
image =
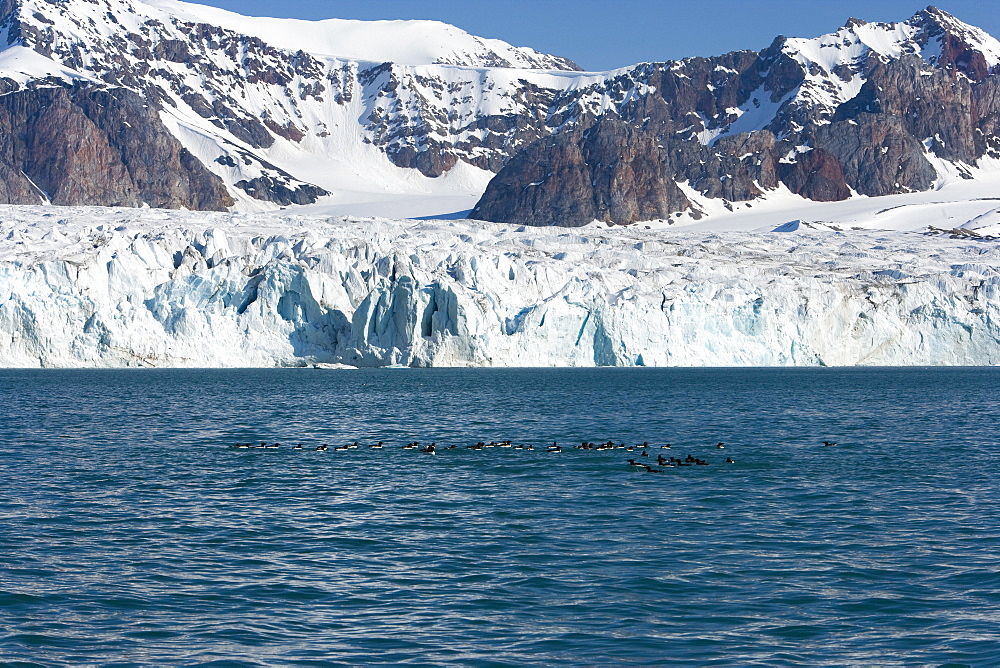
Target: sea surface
{"type": "Point", "coordinates": [131, 533]}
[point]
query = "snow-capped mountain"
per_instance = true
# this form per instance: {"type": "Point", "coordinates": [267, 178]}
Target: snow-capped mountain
{"type": "Point", "coordinates": [259, 113]}
{"type": "Point", "coordinates": [872, 109]}
{"type": "Point", "coordinates": [272, 120]}
{"type": "Point", "coordinates": [179, 106]}
{"type": "Point", "coordinates": [400, 42]}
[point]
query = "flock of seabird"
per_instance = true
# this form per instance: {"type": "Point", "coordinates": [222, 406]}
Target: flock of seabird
{"type": "Point", "coordinates": [433, 448]}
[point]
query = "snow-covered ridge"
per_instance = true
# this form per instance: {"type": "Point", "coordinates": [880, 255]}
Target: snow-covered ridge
{"type": "Point", "coordinates": [400, 42]}
{"type": "Point", "coordinates": [836, 64]}
{"type": "Point", "coordinates": [118, 287]}
{"type": "Point", "coordinates": [269, 116]}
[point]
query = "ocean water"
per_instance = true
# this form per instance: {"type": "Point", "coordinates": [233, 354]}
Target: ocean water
{"type": "Point", "coordinates": [132, 534]}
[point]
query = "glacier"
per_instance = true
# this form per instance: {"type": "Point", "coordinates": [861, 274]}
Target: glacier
{"type": "Point", "coordinates": [96, 287]}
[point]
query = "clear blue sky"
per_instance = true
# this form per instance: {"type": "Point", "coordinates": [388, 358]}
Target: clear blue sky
{"type": "Point", "coordinates": [602, 34]}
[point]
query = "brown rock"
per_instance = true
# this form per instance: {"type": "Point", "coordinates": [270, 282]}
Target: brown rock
{"type": "Point", "coordinates": [877, 155]}
{"type": "Point", "coordinates": [816, 175]}
{"type": "Point", "coordinates": [86, 145]}
{"type": "Point", "coordinates": [15, 188]}
{"type": "Point", "coordinates": [613, 172]}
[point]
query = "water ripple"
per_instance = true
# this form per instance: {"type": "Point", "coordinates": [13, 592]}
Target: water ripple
{"type": "Point", "coordinates": [132, 535]}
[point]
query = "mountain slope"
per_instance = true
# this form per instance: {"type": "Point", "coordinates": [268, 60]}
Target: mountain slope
{"type": "Point", "coordinates": [110, 150]}
{"type": "Point", "coordinates": [400, 42]}
{"type": "Point", "coordinates": [273, 122]}
{"type": "Point", "coordinates": [276, 113]}
{"type": "Point", "coordinates": [873, 109]}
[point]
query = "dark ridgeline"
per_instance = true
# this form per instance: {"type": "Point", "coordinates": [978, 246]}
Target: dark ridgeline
{"type": "Point", "coordinates": [624, 167]}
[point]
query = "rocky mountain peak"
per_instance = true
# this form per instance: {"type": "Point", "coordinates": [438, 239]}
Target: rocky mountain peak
{"type": "Point", "coordinates": [950, 44]}
{"type": "Point", "coordinates": [256, 99]}
{"type": "Point", "coordinates": [868, 109]}
{"type": "Point", "coordinates": [939, 19]}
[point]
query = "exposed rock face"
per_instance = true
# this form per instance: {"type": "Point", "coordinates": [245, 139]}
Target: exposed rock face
{"type": "Point", "coordinates": [609, 172]}
{"type": "Point", "coordinates": [986, 102]}
{"type": "Point", "coordinates": [735, 126]}
{"type": "Point", "coordinates": [279, 191]}
{"type": "Point", "coordinates": [922, 103]}
{"type": "Point", "coordinates": [875, 156]}
{"type": "Point", "coordinates": [88, 145]}
{"type": "Point", "coordinates": [16, 188]}
{"type": "Point", "coordinates": [817, 175]}
{"type": "Point", "coordinates": [251, 103]}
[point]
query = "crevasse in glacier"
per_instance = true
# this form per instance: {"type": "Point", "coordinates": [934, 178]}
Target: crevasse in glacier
{"type": "Point", "coordinates": [115, 287]}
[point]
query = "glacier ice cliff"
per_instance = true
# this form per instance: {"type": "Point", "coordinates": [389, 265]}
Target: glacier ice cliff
{"type": "Point", "coordinates": [90, 287]}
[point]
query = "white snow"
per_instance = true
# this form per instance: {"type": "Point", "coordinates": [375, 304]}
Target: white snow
{"type": "Point", "coordinates": [754, 114]}
{"type": "Point", "coordinates": [952, 203]}
{"type": "Point", "coordinates": [23, 65]}
{"type": "Point", "coordinates": [400, 42]}
{"type": "Point", "coordinates": [851, 43]}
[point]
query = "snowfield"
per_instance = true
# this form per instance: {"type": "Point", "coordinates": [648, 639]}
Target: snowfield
{"type": "Point", "coordinates": [94, 287]}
